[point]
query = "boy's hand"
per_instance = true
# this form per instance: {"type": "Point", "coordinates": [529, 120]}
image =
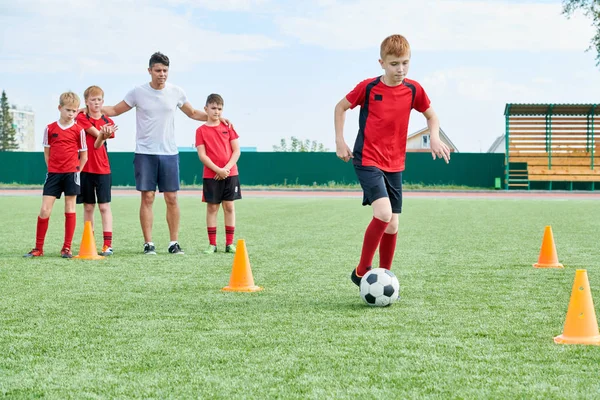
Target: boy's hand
{"type": "Point", "coordinates": [439, 149]}
{"type": "Point", "coordinates": [343, 151]}
{"type": "Point", "coordinates": [108, 131]}
{"type": "Point", "coordinates": [222, 173]}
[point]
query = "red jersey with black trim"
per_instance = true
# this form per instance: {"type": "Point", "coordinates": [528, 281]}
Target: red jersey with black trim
{"type": "Point", "coordinates": [97, 162]}
{"type": "Point", "coordinates": [65, 143]}
{"type": "Point", "coordinates": [217, 142]}
{"type": "Point", "coordinates": [383, 121]}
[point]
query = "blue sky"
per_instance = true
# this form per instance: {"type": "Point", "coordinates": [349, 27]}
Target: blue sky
{"type": "Point", "coordinates": [281, 66]}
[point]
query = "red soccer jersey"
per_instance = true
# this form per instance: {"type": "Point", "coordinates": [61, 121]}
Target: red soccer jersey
{"type": "Point", "coordinates": [217, 142]}
{"type": "Point", "coordinates": [65, 143]}
{"type": "Point", "coordinates": [383, 122]}
{"type": "Point", "coordinates": [97, 162]}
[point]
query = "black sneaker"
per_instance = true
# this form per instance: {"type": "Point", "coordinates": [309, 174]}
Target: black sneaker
{"type": "Point", "coordinates": [355, 278]}
{"type": "Point", "coordinates": [175, 249]}
{"type": "Point", "coordinates": [149, 249]}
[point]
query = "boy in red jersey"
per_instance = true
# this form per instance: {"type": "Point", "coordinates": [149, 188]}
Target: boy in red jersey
{"type": "Point", "coordinates": [65, 153]}
{"type": "Point", "coordinates": [380, 148]}
{"type": "Point", "coordinates": [219, 150]}
{"type": "Point", "coordinates": [96, 179]}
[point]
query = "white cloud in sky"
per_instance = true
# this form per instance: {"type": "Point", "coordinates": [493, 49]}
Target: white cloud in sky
{"type": "Point", "coordinates": [63, 35]}
{"type": "Point", "coordinates": [439, 25]}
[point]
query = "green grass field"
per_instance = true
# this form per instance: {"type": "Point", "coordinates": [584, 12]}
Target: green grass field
{"type": "Point", "coordinates": [475, 319]}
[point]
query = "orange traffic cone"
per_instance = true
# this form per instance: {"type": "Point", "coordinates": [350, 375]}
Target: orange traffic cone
{"type": "Point", "coordinates": [241, 279]}
{"type": "Point", "coordinates": [87, 250]}
{"type": "Point", "coordinates": [548, 257]}
{"type": "Point", "coordinates": [581, 326]}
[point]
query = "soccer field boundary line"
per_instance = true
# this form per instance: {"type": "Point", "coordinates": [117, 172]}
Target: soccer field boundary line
{"type": "Point", "coordinates": [495, 195]}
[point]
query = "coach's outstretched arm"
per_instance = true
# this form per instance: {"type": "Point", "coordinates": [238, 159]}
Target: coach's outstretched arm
{"type": "Point", "coordinates": [341, 148]}
{"type": "Point", "coordinates": [113, 111]}
{"type": "Point", "coordinates": [199, 115]}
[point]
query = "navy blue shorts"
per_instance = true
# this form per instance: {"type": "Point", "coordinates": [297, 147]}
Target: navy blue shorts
{"type": "Point", "coordinates": [57, 183]}
{"type": "Point", "coordinates": [377, 184]}
{"type": "Point", "coordinates": [153, 170]}
{"type": "Point", "coordinates": [216, 191]}
{"type": "Point", "coordinates": [95, 186]}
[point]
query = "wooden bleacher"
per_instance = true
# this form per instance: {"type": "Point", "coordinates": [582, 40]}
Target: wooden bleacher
{"type": "Point", "coordinates": [548, 143]}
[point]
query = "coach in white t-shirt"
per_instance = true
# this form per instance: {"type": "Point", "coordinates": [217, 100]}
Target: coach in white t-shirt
{"type": "Point", "coordinates": [156, 159]}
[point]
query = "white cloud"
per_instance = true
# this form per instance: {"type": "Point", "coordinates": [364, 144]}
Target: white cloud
{"type": "Point", "coordinates": [447, 25]}
{"type": "Point", "coordinates": [118, 37]}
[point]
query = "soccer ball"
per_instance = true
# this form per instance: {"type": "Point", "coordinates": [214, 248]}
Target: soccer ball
{"type": "Point", "coordinates": [379, 287]}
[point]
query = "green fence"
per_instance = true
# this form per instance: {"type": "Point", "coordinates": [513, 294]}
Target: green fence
{"type": "Point", "coordinates": [256, 168]}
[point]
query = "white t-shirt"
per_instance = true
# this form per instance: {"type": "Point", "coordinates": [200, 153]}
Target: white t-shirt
{"type": "Point", "coordinates": [155, 117]}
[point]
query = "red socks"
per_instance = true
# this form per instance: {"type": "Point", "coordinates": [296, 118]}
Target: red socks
{"type": "Point", "coordinates": [387, 248]}
{"type": "Point", "coordinates": [212, 235]}
{"type": "Point", "coordinates": [372, 238]}
{"type": "Point", "coordinates": [229, 232]}
{"type": "Point", "coordinates": [107, 238]}
{"type": "Point", "coordinates": [69, 229]}
{"type": "Point", "coordinates": [40, 232]}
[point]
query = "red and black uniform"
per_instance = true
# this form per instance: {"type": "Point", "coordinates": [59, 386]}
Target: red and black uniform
{"type": "Point", "coordinates": [217, 144]}
{"type": "Point", "coordinates": [65, 143]}
{"type": "Point", "coordinates": [96, 178]}
{"type": "Point", "coordinates": [380, 154]}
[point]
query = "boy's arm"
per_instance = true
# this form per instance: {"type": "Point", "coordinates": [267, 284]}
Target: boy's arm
{"type": "Point", "coordinates": [113, 111]}
{"type": "Point", "coordinates": [83, 157]}
{"type": "Point", "coordinates": [341, 148]}
{"type": "Point", "coordinates": [235, 156]}
{"type": "Point", "coordinates": [105, 133]}
{"type": "Point", "coordinates": [438, 148]}
{"type": "Point", "coordinates": [221, 173]}
{"type": "Point", "coordinates": [46, 154]}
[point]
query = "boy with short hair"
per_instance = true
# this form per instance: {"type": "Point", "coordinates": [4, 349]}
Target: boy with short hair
{"type": "Point", "coordinates": [380, 148]}
{"type": "Point", "coordinates": [219, 150]}
{"type": "Point", "coordinates": [65, 153]}
{"type": "Point", "coordinates": [96, 178]}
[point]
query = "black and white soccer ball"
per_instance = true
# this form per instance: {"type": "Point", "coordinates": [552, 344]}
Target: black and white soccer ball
{"type": "Point", "coordinates": [379, 287]}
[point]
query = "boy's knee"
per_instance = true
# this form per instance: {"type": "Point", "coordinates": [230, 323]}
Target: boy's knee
{"type": "Point", "coordinates": [104, 208]}
{"type": "Point", "coordinates": [384, 215]}
{"type": "Point", "coordinates": [88, 207]}
{"type": "Point", "coordinates": [228, 207]}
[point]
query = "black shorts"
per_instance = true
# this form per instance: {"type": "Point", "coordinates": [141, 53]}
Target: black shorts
{"type": "Point", "coordinates": [227, 189]}
{"type": "Point", "coordinates": [95, 187]}
{"type": "Point", "coordinates": [377, 184]}
{"type": "Point", "coordinates": [57, 183]}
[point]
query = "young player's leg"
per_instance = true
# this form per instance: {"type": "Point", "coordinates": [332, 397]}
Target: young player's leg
{"type": "Point", "coordinates": [87, 197]}
{"type": "Point", "coordinates": [387, 246]}
{"type": "Point", "coordinates": [70, 223]}
{"type": "Point", "coordinates": [42, 226]}
{"type": "Point", "coordinates": [146, 179]}
{"type": "Point", "coordinates": [212, 210]}
{"type": "Point", "coordinates": [374, 193]}
{"type": "Point", "coordinates": [103, 192]}
{"type": "Point", "coordinates": [168, 183]}
{"type": "Point", "coordinates": [231, 192]}
{"type": "Point", "coordinates": [212, 195]}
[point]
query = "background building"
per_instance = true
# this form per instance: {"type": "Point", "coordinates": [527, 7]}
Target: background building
{"type": "Point", "coordinates": [24, 123]}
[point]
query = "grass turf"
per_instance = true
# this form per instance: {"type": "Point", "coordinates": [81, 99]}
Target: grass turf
{"type": "Point", "coordinates": [475, 320]}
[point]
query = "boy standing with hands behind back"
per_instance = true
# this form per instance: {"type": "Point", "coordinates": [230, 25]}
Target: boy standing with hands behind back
{"type": "Point", "coordinates": [65, 153]}
{"type": "Point", "coordinates": [380, 147]}
{"type": "Point", "coordinates": [218, 150]}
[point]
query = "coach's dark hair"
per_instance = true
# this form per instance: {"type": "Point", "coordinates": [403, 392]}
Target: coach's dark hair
{"type": "Point", "coordinates": [215, 99]}
{"type": "Point", "coordinates": [158, 58]}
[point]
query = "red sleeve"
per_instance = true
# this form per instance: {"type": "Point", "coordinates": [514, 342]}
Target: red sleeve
{"type": "Point", "coordinates": [83, 121]}
{"type": "Point", "coordinates": [421, 103]}
{"type": "Point", "coordinates": [233, 134]}
{"type": "Point", "coordinates": [357, 95]}
{"type": "Point", "coordinates": [199, 137]}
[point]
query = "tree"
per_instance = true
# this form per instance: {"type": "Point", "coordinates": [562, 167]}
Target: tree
{"type": "Point", "coordinates": [8, 140]}
{"type": "Point", "coordinates": [297, 145]}
{"type": "Point", "coordinates": [591, 9]}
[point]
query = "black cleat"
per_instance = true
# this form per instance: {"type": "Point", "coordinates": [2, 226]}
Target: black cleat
{"type": "Point", "coordinates": [355, 278]}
